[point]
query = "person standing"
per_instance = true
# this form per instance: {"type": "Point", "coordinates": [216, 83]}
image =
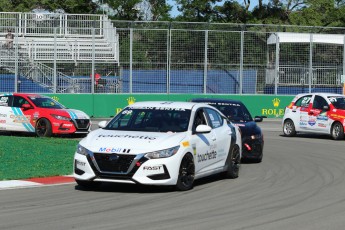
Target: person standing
{"type": "Point", "coordinates": [9, 39]}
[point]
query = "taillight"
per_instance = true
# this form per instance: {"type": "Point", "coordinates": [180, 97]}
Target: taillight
{"type": "Point", "coordinates": [247, 146]}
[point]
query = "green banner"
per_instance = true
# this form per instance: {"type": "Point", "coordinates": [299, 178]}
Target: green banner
{"type": "Point", "coordinates": [108, 105]}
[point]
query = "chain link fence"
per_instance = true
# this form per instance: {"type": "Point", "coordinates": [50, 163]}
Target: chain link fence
{"type": "Point", "coordinates": [54, 53]}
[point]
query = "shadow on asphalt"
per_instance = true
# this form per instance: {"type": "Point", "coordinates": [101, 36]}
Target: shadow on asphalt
{"type": "Point", "coordinates": [309, 136]}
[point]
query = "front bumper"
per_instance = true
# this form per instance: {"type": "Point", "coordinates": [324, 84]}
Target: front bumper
{"type": "Point", "coordinates": [120, 168]}
{"type": "Point", "coordinates": [252, 149]}
{"type": "Point", "coordinates": [72, 126]}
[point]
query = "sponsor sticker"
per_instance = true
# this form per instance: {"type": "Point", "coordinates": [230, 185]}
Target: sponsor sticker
{"type": "Point", "coordinates": [185, 143]}
{"type": "Point", "coordinates": [153, 169]}
{"type": "Point", "coordinates": [312, 121]}
{"type": "Point", "coordinates": [129, 136]}
{"type": "Point", "coordinates": [80, 164]}
{"type": "Point", "coordinates": [207, 156]}
{"type": "Point", "coordinates": [110, 150]}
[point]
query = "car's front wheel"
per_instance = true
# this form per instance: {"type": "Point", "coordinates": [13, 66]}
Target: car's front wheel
{"type": "Point", "coordinates": [289, 128]}
{"type": "Point", "coordinates": [43, 128]}
{"type": "Point", "coordinates": [185, 178]}
{"type": "Point", "coordinates": [233, 162]}
{"type": "Point", "coordinates": [337, 131]}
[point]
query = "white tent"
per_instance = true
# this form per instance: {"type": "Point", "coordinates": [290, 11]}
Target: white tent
{"type": "Point", "coordinates": [286, 37]}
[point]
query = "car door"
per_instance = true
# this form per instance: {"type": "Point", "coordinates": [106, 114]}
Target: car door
{"type": "Point", "coordinates": [5, 113]}
{"type": "Point", "coordinates": [222, 133]}
{"type": "Point", "coordinates": [319, 114]}
{"type": "Point", "coordinates": [299, 113]}
{"type": "Point", "coordinates": [20, 118]}
{"type": "Point", "coordinates": [203, 144]}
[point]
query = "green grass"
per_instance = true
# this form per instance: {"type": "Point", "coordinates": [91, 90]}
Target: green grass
{"type": "Point", "coordinates": [23, 157]}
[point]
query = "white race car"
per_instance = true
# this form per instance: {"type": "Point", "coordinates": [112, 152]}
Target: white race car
{"type": "Point", "coordinates": [159, 143]}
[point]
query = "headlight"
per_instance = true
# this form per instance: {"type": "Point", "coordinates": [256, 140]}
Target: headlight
{"type": "Point", "coordinates": [256, 136]}
{"type": "Point", "coordinates": [82, 150]}
{"type": "Point", "coordinates": [60, 117]}
{"type": "Point", "coordinates": [162, 153]}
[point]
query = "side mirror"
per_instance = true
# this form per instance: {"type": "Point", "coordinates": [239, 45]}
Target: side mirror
{"type": "Point", "coordinates": [102, 124]}
{"type": "Point", "coordinates": [258, 119]}
{"type": "Point", "coordinates": [26, 106]}
{"type": "Point", "coordinates": [203, 129]}
{"type": "Point", "coordinates": [325, 107]}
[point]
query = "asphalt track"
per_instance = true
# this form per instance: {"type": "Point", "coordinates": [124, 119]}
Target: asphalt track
{"type": "Point", "coordinates": [299, 185]}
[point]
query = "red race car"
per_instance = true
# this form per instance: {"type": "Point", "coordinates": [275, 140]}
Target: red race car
{"type": "Point", "coordinates": [41, 115]}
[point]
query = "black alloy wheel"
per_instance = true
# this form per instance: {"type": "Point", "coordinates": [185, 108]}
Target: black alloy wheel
{"type": "Point", "coordinates": [43, 128]}
{"type": "Point", "coordinates": [186, 173]}
{"type": "Point", "coordinates": [233, 162]}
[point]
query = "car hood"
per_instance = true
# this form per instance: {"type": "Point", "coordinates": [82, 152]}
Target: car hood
{"type": "Point", "coordinates": [248, 128]}
{"type": "Point", "coordinates": [130, 142]}
{"type": "Point", "coordinates": [77, 114]}
{"type": "Point", "coordinates": [72, 113]}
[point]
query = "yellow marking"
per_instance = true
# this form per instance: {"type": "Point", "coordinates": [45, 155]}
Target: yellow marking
{"type": "Point", "coordinates": [185, 144]}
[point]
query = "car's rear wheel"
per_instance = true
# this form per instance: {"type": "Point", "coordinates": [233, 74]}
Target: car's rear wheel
{"type": "Point", "coordinates": [233, 161]}
{"type": "Point", "coordinates": [87, 184]}
{"type": "Point", "coordinates": [43, 128]}
{"type": "Point", "coordinates": [289, 128]}
{"type": "Point", "coordinates": [337, 131]}
{"type": "Point", "coordinates": [186, 173]}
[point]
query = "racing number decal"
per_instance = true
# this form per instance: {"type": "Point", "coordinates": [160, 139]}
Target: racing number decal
{"type": "Point", "coordinates": [305, 102]}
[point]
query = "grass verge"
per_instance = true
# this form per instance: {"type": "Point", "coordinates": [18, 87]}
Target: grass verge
{"type": "Point", "coordinates": [23, 157]}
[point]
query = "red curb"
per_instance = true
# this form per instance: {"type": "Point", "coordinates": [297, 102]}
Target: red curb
{"type": "Point", "coordinates": [52, 180]}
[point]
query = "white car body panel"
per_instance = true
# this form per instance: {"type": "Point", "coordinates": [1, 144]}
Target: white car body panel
{"type": "Point", "coordinates": [309, 120]}
{"type": "Point", "coordinates": [209, 150]}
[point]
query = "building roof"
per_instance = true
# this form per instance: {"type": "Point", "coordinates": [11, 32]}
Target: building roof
{"type": "Point", "coordinates": [286, 37]}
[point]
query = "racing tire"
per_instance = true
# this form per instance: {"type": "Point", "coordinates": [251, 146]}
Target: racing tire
{"type": "Point", "coordinates": [289, 128]}
{"type": "Point", "coordinates": [186, 174]}
{"type": "Point", "coordinates": [87, 184]}
{"type": "Point", "coordinates": [234, 162]}
{"type": "Point", "coordinates": [43, 128]}
{"type": "Point", "coordinates": [337, 131]}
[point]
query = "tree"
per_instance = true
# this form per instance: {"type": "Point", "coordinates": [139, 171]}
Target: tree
{"type": "Point", "coordinates": [160, 10]}
{"type": "Point", "coordinates": [231, 11]}
{"type": "Point", "coordinates": [196, 10]}
{"type": "Point", "coordinates": [68, 6]}
{"type": "Point", "coordinates": [320, 13]}
{"type": "Point", "coordinates": [276, 11]}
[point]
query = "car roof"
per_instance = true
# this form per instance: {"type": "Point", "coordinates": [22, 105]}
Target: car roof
{"type": "Point", "coordinates": [167, 104]}
{"type": "Point", "coordinates": [216, 100]}
{"type": "Point", "coordinates": [321, 94]}
{"type": "Point", "coordinates": [22, 94]}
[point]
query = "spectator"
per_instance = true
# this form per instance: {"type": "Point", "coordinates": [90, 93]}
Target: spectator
{"type": "Point", "coordinates": [97, 77]}
{"type": "Point", "coordinates": [9, 39]}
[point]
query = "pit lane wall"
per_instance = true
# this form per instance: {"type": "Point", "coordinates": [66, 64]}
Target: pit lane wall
{"type": "Point", "coordinates": [108, 105]}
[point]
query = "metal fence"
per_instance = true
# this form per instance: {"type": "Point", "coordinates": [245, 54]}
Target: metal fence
{"type": "Point", "coordinates": [91, 54]}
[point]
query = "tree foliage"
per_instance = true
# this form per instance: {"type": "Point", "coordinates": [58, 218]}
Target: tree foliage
{"type": "Point", "coordinates": [68, 6]}
{"type": "Point", "coordinates": [284, 12]}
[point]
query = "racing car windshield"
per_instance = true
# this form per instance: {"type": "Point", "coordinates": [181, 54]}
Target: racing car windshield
{"type": "Point", "coordinates": [151, 120]}
{"type": "Point", "coordinates": [337, 102]}
{"type": "Point", "coordinates": [46, 102]}
{"type": "Point", "coordinates": [234, 112]}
